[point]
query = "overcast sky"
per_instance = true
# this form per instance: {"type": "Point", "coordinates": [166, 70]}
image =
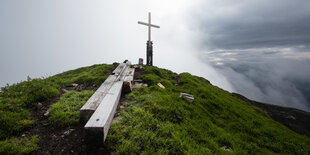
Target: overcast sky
{"type": "Point", "coordinates": [257, 48]}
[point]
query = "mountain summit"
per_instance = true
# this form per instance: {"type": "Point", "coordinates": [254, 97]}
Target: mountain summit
{"type": "Point", "coordinates": [42, 116]}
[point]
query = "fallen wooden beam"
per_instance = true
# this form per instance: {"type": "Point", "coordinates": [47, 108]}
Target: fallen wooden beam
{"type": "Point", "coordinates": [93, 102]}
{"type": "Point", "coordinates": [99, 123]}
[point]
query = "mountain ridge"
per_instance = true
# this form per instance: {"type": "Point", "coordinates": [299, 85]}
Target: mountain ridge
{"type": "Point", "coordinates": [150, 119]}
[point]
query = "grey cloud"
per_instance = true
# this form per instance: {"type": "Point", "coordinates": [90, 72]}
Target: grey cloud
{"type": "Point", "coordinates": [262, 47]}
{"type": "Point", "coordinates": [254, 24]}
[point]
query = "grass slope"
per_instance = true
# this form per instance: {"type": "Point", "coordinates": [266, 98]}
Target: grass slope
{"type": "Point", "coordinates": [17, 100]}
{"type": "Point", "coordinates": [156, 120]}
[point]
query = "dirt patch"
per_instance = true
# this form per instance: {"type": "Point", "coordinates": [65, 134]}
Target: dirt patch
{"type": "Point", "coordinates": [53, 140]}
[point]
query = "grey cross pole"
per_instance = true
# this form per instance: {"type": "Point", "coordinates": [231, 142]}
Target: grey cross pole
{"type": "Point", "coordinates": [149, 44]}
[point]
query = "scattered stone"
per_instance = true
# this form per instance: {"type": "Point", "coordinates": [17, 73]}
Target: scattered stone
{"type": "Point", "coordinates": [66, 133]}
{"type": "Point", "coordinates": [64, 90]}
{"type": "Point", "coordinates": [140, 61]}
{"type": "Point", "coordinates": [74, 84]}
{"type": "Point", "coordinates": [46, 113]}
{"type": "Point", "coordinates": [116, 119]}
{"type": "Point", "coordinates": [139, 84]}
{"type": "Point", "coordinates": [39, 105]}
{"type": "Point", "coordinates": [45, 124]}
{"type": "Point", "coordinates": [226, 148]}
{"type": "Point", "coordinates": [139, 81]}
{"type": "Point", "coordinates": [121, 107]}
{"type": "Point", "coordinates": [135, 66]}
{"type": "Point", "coordinates": [23, 135]}
{"type": "Point", "coordinates": [188, 97]}
{"type": "Point", "coordinates": [291, 117]}
{"type": "Point", "coordinates": [161, 85]}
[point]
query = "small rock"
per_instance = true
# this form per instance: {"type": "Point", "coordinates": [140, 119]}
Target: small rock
{"type": "Point", "coordinates": [161, 86]}
{"type": "Point", "coordinates": [45, 124]}
{"type": "Point", "coordinates": [23, 135]}
{"type": "Point", "coordinates": [291, 117]}
{"type": "Point", "coordinates": [66, 133]}
{"type": "Point", "coordinates": [226, 148]}
{"type": "Point", "coordinates": [121, 107]}
{"type": "Point", "coordinates": [39, 105]}
{"type": "Point", "coordinates": [74, 84]}
{"type": "Point", "coordinates": [188, 97]}
{"type": "Point", "coordinates": [140, 61]}
{"type": "Point", "coordinates": [64, 90]}
{"type": "Point", "coordinates": [139, 81]}
{"type": "Point", "coordinates": [138, 85]}
{"type": "Point", "coordinates": [46, 113]}
{"type": "Point", "coordinates": [116, 119]}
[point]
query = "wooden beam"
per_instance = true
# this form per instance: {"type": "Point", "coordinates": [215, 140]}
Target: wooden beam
{"type": "Point", "coordinates": [152, 25]}
{"type": "Point", "coordinates": [99, 123]}
{"type": "Point", "coordinates": [93, 102]}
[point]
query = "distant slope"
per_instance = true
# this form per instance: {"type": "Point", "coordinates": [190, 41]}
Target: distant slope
{"type": "Point", "coordinates": [295, 119]}
{"type": "Point", "coordinates": [156, 120]}
{"type": "Point", "coordinates": [153, 120]}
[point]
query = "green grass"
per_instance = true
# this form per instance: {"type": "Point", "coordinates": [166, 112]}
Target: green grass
{"type": "Point", "coordinates": [92, 75]}
{"type": "Point", "coordinates": [16, 100]}
{"type": "Point", "coordinates": [65, 112]}
{"type": "Point", "coordinates": [155, 120]}
{"type": "Point", "coordinates": [16, 146]}
{"type": "Point", "coordinates": [158, 121]}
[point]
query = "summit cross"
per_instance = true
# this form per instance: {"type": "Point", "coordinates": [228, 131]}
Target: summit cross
{"type": "Point", "coordinates": [149, 26]}
{"type": "Point", "coordinates": [149, 43]}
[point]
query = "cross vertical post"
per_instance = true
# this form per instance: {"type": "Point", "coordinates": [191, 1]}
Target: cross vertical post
{"type": "Point", "coordinates": [149, 43]}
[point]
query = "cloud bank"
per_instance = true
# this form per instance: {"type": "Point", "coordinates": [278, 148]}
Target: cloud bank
{"type": "Point", "coordinates": [262, 47]}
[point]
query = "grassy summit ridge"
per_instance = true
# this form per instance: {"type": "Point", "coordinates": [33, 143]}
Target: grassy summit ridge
{"type": "Point", "coordinates": [155, 120]}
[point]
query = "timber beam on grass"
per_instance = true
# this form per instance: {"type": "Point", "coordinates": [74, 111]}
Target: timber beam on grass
{"type": "Point", "coordinates": [97, 127]}
{"type": "Point", "coordinates": [93, 102]}
{"type": "Point", "coordinates": [99, 110]}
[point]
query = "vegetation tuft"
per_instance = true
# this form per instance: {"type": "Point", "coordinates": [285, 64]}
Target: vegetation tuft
{"type": "Point", "coordinates": [16, 146]}
{"type": "Point", "coordinates": [93, 75]}
{"type": "Point", "coordinates": [156, 120]}
{"type": "Point", "coordinates": [65, 112]}
{"type": "Point", "coordinates": [17, 100]}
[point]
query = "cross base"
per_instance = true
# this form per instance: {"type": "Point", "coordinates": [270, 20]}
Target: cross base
{"type": "Point", "coordinates": [149, 53]}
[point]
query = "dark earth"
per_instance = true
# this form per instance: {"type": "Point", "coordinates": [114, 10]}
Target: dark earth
{"type": "Point", "coordinates": [71, 140]}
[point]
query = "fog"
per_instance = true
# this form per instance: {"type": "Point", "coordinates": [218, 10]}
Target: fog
{"type": "Point", "coordinates": [257, 48]}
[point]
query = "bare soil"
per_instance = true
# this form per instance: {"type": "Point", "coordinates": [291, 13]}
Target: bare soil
{"type": "Point", "coordinates": [54, 140]}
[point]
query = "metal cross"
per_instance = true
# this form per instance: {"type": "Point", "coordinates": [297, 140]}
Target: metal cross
{"type": "Point", "coordinates": [149, 25]}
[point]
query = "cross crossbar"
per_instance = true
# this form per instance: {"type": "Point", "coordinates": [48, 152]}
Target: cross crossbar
{"type": "Point", "coordinates": [149, 26]}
